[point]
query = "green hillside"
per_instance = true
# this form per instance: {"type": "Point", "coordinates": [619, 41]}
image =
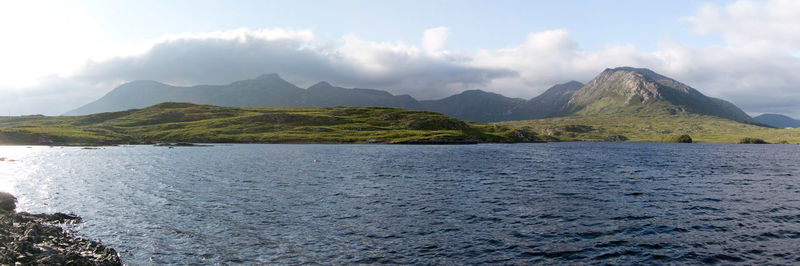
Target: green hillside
{"type": "Point", "coordinates": [653, 127]}
{"type": "Point", "coordinates": [184, 122]}
{"type": "Point", "coordinates": [636, 104]}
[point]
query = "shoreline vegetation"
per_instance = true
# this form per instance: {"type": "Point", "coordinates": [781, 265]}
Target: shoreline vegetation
{"type": "Point", "coordinates": [37, 239]}
{"type": "Point", "coordinates": [182, 124]}
{"type": "Point", "coordinates": [177, 123]}
{"type": "Point", "coordinates": [657, 127]}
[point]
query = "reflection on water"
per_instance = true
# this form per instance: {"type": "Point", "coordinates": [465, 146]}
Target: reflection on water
{"type": "Point", "coordinates": [13, 170]}
{"type": "Point", "coordinates": [562, 203]}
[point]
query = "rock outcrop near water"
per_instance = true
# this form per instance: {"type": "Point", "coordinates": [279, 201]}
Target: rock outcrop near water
{"type": "Point", "coordinates": [35, 239]}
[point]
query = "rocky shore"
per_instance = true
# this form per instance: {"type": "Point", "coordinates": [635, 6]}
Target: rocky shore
{"type": "Point", "coordinates": [27, 239]}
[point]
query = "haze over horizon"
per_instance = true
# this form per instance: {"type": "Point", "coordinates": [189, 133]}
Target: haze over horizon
{"type": "Point", "coordinates": [58, 55]}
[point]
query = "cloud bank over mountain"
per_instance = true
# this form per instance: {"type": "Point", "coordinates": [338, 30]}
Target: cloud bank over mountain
{"type": "Point", "coordinates": [756, 67]}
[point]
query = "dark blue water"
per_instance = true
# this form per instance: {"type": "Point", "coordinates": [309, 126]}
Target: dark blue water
{"type": "Point", "coordinates": [560, 203]}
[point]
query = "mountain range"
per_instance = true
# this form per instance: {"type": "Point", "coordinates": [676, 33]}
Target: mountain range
{"type": "Point", "coordinates": [622, 90]}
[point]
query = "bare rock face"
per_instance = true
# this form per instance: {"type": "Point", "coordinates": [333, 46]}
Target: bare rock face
{"type": "Point", "coordinates": [617, 90]}
{"type": "Point", "coordinates": [621, 83]}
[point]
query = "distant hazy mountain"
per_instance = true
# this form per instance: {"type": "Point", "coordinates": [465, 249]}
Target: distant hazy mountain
{"type": "Point", "coordinates": [779, 121]}
{"type": "Point", "coordinates": [325, 95]}
{"type": "Point", "coordinates": [638, 90]}
{"type": "Point", "coordinates": [476, 105]}
{"type": "Point", "coordinates": [264, 91]}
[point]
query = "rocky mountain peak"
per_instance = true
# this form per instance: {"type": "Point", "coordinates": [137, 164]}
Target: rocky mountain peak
{"type": "Point", "coordinates": [628, 89]}
{"type": "Point", "coordinates": [627, 83]}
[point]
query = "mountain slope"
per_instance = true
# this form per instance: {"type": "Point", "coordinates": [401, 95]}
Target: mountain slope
{"type": "Point", "coordinates": [128, 96]}
{"type": "Point", "coordinates": [627, 90]}
{"type": "Point", "coordinates": [551, 103]}
{"type": "Point", "coordinates": [481, 106]}
{"type": "Point", "coordinates": [324, 94]}
{"type": "Point", "coordinates": [265, 91]}
{"type": "Point", "coordinates": [779, 121]}
{"type": "Point", "coordinates": [476, 105]}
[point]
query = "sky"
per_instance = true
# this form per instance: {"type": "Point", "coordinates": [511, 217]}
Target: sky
{"type": "Point", "coordinates": [58, 55]}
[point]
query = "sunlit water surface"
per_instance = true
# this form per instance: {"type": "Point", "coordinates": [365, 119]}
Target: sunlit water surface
{"type": "Point", "coordinates": [563, 203]}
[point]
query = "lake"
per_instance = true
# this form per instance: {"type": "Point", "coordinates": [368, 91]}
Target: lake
{"type": "Point", "coordinates": [553, 203]}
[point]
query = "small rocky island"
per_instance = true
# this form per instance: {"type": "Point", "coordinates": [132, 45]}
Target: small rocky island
{"type": "Point", "coordinates": [27, 239]}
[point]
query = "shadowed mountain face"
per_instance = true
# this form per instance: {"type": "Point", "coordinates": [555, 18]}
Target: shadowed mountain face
{"type": "Point", "coordinates": [551, 103]}
{"type": "Point", "coordinates": [481, 106]}
{"type": "Point", "coordinates": [779, 121]}
{"type": "Point", "coordinates": [265, 91]}
{"type": "Point", "coordinates": [325, 95]}
{"type": "Point", "coordinates": [477, 105]}
{"type": "Point", "coordinates": [627, 90]}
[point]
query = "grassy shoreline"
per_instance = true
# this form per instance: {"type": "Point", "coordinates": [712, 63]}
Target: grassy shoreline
{"type": "Point", "coordinates": [192, 123]}
{"type": "Point", "coordinates": [655, 128]}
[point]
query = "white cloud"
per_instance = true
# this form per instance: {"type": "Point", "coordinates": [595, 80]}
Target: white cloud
{"type": "Point", "coordinates": [773, 22]}
{"type": "Point", "coordinates": [43, 37]}
{"type": "Point", "coordinates": [435, 39]}
{"type": "Point", "coordinates": [550, 57]}
{"type": "Point", "coordinates": [226, 56]}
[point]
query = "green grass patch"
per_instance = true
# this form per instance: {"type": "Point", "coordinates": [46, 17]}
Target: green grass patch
{"type": "Point", "coordinates": [653, 127]}
{"type": "Point", "coordinates": [184, 122]}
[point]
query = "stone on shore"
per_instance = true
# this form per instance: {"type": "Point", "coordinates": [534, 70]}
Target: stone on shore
{"type": "Point", "coordinates": [7, 202]}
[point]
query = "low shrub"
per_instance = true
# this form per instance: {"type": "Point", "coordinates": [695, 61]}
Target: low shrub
{"type": "Point", "coordinates": [749, 140]}
{"type": "Point", "coordinates": [616, 138]}
{"type": "Point", "coordinates": [681, 139]}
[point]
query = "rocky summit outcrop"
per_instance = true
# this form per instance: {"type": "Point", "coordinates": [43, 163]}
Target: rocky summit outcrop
{"type": "Point", "coordinates": [35, 239]}
{"type": "Point", "coordinates": [626, 90]}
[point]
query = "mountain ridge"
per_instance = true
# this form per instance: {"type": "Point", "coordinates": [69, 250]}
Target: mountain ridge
{"type": "Point", "coordinates": [267, 90]}
{"type": "Point", "coordinates": [617, 91]}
